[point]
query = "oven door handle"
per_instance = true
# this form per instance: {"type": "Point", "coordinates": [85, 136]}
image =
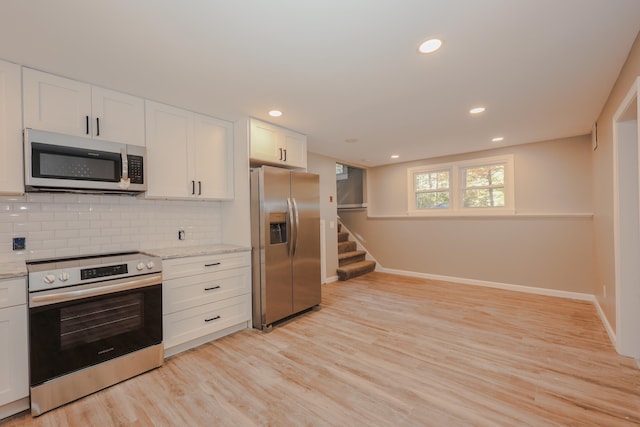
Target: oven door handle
{"type": "Point", "coordinates": [56, 296]}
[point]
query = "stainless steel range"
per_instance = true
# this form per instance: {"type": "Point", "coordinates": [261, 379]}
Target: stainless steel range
{"type": "Point", "coordinates": [93, 321]}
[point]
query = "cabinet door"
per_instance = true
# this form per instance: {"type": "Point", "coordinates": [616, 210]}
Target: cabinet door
{"type": "Point", "coordinates": [117, 116]}
{"type": "Point", "coordinates": [265, 143]}
{"type": "Point", "coordinates": [295, 145]}
{"type": "Point", "coordinates": [14, 375]}
{"type": "Point", "coordinates": [11, 163]}
{"type": "Point", "coordinates": [169, 130]}
{"type": "Point", "coordinates": [212, 151]}
{"type": "Point", "coordinates": [56, 104]}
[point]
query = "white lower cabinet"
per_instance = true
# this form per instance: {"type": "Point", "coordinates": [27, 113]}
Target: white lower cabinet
{"type": "Point", "coordinates": [14, 356]}
{"type": "Point", "coordinates": [204, 298]}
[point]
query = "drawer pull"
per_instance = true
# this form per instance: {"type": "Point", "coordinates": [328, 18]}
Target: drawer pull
{"type": "Point", "coordinates": [212, 319]}
{"type": "Point", "coordinates": [213, 264]}
{"type": "Point", "coordinates": [211, 289]}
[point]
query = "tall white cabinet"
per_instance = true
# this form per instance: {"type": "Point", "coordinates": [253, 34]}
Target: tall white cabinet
{"type": "Point", "coordinates": [62, 105]}
{"type": "Point", "coordinates": [14, 356]}
{"type": "Point", "coordinates": [190, 156]}
{"type": "Point", "coordinates": [11, 164]}
{"type": "Point", "coordinates": [275, 145]}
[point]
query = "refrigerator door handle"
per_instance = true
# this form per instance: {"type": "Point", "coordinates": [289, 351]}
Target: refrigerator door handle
{"type": "Point", "coordinates": [297, 218]}
{"type": "Point", "coordinates": [292, 229]}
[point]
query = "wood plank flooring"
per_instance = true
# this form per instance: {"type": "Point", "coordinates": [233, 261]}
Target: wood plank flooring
{"type": "Point", "coordinates": [388, 350]}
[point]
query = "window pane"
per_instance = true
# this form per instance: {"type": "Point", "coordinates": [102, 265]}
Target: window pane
{"type": "Point", "coordinates": [443, 179]}
{"type": "Point", "coordinates": [497, 175]}
{"type": "Point", "coordinates": [484, 176]}
{"type": "Point", "coordinates": [431, 180]}
{"type": "Point", "coordinates": [442, 200]}
{"type": "Point", "coordinates": [422, 181]}
{"type": "Point", "coordinates": [498, 196]}
{"type": "Point", "coordinates": [432, 200]}
{"type": "Point", "coordinates": [483, 198]}
{"type": "Point", "coordinates": [477, 177]}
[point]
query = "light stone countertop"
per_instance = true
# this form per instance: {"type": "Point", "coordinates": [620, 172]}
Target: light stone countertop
{"type": "Point", "coordinates": [188, 251]}
{"type": "Point", "coordinates": [12, 269]}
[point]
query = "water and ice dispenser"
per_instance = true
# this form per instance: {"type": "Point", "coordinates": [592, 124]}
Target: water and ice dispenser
{"type": "Point", "coordinates": [277, 228]}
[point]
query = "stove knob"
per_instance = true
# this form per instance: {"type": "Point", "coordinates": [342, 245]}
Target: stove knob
{"type": "Point", "coordinates": [140, 266]}
{"type": "Point", "coordinates": [64, 276]}
{"type": "Point", "coordinates": [150, 265]}
{"type": "Point", "coordinates": [49, 278]}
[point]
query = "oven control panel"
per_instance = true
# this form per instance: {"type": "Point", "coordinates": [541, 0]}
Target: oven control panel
{"type": "Point", "coordinates": [77, 271]}
{"type": "Point", "coordinates": [110, 270]}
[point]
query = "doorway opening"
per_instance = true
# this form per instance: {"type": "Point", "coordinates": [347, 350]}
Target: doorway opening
{"type": "Point", "coordinates": [627, 224]}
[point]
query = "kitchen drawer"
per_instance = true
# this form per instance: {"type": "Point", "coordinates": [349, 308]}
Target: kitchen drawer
{"type": "Point", "coordinates": [13, 292]}
{"type": "Point", "coordinates": [190, 266]}
{"type": "Point", "coordinates": [187, 325]}
{"type": "Point", "coordinates": [192, 291]}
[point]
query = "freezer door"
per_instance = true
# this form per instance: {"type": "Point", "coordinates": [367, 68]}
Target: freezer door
{"type": "Point", "coordinates": [305, 195]}
{"type": "Point", "coordinates": [273, 293]}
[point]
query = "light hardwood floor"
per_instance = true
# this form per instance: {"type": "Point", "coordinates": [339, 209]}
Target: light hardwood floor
{"type": "Point", "coordinates": [388, 350]}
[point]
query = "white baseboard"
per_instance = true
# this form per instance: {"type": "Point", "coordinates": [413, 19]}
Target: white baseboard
{"type": "Point", "coordinates": [506, 286]}
{"type": "Point", "coordinates": [331, 279]}
{"type": "Point", "coordinates": [605, 322]}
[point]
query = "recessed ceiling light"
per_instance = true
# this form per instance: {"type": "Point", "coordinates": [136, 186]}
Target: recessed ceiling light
{"type": "Point", "coordinates": [498, 139]}
{"type": "Point", "coordinates": [430, 46]}
{"type": "Point", "coordinates": [477, 110]}
{"type": "Point", "coordinates": [275, 113]}
{"type": "Point", "coordinates": [395, 156]}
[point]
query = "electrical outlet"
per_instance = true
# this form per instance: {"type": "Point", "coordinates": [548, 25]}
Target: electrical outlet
{"type": "Point", "coordinates": [19, 243]}
{"type": "Point", "coordinates": [181, 235]}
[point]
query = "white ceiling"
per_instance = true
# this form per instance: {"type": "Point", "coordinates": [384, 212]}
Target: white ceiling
{"type": "Point", "coordinates": [342, 69]}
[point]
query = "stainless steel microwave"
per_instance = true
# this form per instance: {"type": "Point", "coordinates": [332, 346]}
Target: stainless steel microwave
{"type": "Point", "coordinates": [57, 162]}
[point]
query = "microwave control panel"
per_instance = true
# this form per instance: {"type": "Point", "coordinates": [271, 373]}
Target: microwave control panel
{"type": "Point", "coordinates": [136, 173]}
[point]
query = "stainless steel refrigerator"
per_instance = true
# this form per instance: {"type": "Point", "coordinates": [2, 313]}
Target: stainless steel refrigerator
{"type": "Point", "coordinates": [285, 240]}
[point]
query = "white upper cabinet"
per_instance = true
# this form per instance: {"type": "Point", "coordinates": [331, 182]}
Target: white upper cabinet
{"type": "Point", "coordinates": [11, 163]}
{"type": "Point", "coordinates": [190, 156]}
{"type": "Point", "coordinates": [274, 145]}
{"type": "Point", "coordinates": [117, 116]}
{"type": "Point", "coordinates": [168, 129]}
{"type": "Point", "coordinates": [212, 156]}
{"type": "Point", "coordinates": [62, 105]}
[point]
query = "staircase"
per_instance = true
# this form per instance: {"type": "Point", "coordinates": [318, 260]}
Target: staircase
{"type": "Point", "coordinates": [351, 261]}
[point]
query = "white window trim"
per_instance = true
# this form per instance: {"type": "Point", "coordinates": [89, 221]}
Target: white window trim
{"type": "Point", "coordinates": [455, 187]}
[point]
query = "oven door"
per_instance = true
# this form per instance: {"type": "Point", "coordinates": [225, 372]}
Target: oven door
{"type": "Point", "coordinates": [81, 326]}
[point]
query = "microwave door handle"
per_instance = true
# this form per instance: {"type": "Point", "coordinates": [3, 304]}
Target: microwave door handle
{"type": "Point", "coordinates": [125, 164]}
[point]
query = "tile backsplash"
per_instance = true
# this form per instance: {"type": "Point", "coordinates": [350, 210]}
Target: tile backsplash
{"type": "Point", "coordinates": [59, 225]}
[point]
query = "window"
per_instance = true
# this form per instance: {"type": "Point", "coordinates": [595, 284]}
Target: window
{"type": "Point", "coordinates": [483, 186]}
{"type": "Point", "coordinates": [477, 186]}
{"type": "Point", "coordinates": [431, 189]}
{"type": "Point", "coordinates": [342, 172]}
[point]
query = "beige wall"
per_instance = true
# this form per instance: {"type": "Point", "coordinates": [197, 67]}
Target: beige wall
{"type": "Point", "coordinates": [602, 163]}
{"type": "Point", "coordinates": [326, 168]}
{"type": "Point", "coordinates": [545, 251]}
{"type": "Point", "coordinates": [550, 177]}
